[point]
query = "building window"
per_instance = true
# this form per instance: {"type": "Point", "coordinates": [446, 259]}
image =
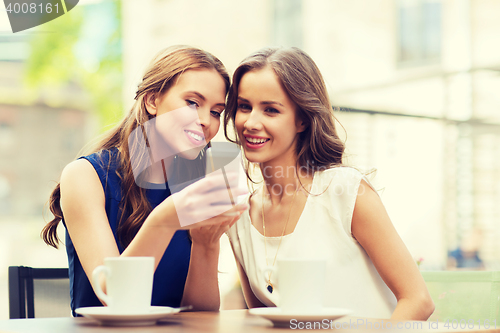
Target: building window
{"type": "Point", "coordinates": [419, 31]}
{"type": "Point", "coordinates": [287, 25]}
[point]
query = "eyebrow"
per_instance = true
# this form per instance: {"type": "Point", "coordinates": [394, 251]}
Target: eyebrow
{"type": "Point", "coordinates": [203, 98]}
{"type": "Point", "coordinates": [197, 94]}
{"type": "Point", "coordinates": [263, 102]}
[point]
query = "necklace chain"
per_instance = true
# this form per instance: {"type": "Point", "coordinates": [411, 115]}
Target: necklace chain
{"type": "Point", "coordinates": [270, 287]}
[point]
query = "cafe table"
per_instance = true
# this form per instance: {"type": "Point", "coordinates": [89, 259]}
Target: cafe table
{"type": "Point", "coordinates": [238, 321]}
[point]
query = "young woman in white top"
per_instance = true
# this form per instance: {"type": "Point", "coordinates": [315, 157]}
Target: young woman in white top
{"type": "Point", "coordinates": [312, 206]}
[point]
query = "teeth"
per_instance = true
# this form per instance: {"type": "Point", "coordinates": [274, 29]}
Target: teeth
{"type": "Point", "coordinates": [194, 136]}
{"type": "Point", "coordinates": [256, 141]}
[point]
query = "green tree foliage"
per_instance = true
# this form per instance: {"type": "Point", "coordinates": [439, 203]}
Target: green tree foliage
{"type": "Point", "coordinates": [77, 48]}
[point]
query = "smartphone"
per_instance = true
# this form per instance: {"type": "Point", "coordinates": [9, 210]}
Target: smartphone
{"type": "Point", "coordinates": [219, 156]}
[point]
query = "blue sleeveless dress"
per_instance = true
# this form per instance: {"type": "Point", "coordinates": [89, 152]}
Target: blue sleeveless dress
{"type": "Point", "coordinates": [170, 275]}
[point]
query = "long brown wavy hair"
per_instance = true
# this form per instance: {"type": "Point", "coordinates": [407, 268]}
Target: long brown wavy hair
{"type": "Point", "coordinates": [160, 75]}
{"type": "Point", "coordinates": [318, 146]}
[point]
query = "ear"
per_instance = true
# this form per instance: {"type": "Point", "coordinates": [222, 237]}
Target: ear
{"type": "Point", "coordinates": [301, 126]}
{"type": "Point", "coordinates": [150, 102]}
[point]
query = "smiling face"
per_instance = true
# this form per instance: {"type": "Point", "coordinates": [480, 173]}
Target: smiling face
{"type": "Point", "coordinates": [266, 119]}
{"type": "Point", "coordinates": [188, 114]}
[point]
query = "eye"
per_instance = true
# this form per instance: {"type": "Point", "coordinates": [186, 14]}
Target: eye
{"type": "Point", "coordinates": [271, 110]}
{"type": "Point", "coordinates": [244, 107]}
{"type": "Point", "coordinates": [216, 114]}
{"type": "Point", "coordinates": [191, 103]}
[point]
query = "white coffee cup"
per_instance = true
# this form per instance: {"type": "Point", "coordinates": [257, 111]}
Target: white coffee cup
{"type": "Point", "coordinates": [300, 284]}
{"type": "Point", "coordinates": [129, 283]}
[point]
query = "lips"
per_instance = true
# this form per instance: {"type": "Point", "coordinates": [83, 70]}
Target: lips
{"type": "Point", "coordinates": [195, 137]}
{"type": "Point", "coordinates": [255, 142]}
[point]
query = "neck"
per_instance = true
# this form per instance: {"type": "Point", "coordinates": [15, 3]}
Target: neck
{"type": "Point", "coordinates": [156, 171]}
{"type": "Point", "coordinates": [283, 179]}
{"type": "Point", "coordinates": [159, 148]}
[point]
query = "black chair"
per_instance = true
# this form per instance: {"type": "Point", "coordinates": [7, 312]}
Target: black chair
{"type": "Point", "coordinates": [40, 292]}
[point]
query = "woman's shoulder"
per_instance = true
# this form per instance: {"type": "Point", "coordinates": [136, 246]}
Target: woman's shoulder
{"type": "Point", "coordinates": [343, 180]}
{"type": "Point", "coordinates": [104, 161]}
{"type": "Point", "coordinates": [79, 176]}
{"type": "Point", "coordinates": [104, 157]}
{"type": "Point", "coordinates": [340, 172]}
{"type": "Point", "coordinates": [101, 165]}
{"type": "Point", "coordinates": [95, 164]}
{"type": "Point", "coordinates": [78, 168]}
{"type": "Point", "coordinates": [339, 181]}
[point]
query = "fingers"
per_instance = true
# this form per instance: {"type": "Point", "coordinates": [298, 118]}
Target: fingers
{"type": "Point", "coordinates": [233, 222]}
{"type": "Point", "coordinates": [236, 210]}
{"type": "Point", "coordinates": [216, 181]}
{"type": "Point", "coordinates": [221, 221]}
{"type": "Point", "coordinates": [226, 210]}
{"type": "Point", "coordinates": [224, 193]}
{"type": "Point", "coordinates": [211, 233]}
{"type": "Point", "coordinates": [193, 208]}
{"type": "Point", "coordinates": [209, 197]}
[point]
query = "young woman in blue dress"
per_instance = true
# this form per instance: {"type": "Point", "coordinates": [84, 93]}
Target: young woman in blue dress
{"type": "Point", "coordinates": [108, 211]}
{"type": "Point", "coordinates": [310, 204]}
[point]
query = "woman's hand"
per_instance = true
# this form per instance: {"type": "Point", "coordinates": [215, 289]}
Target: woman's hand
{"type": "Point", "coordinates": [206, 202]}
{"type": "Point", "coordinates": [196, 201]}
{"type": "Point", "coordinates": [209, 236]}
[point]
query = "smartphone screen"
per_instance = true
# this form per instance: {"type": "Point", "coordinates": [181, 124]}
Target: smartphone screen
{"type": "Point", "coordinates": [223, 156]}
{"type": "Point", "coordinates": [220, 155]}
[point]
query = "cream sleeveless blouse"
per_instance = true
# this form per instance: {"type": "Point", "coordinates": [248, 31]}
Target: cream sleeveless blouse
{"type": "Point", "coordinates": [323, 231]}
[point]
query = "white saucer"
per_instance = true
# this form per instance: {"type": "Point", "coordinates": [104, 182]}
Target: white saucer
{"type": "Point", "coordinates": [106, 317]}
{"type": "Point", "coordinates": [284, 319]}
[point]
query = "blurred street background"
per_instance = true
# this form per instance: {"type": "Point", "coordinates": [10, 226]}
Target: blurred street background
{"type": "Point", "coordinates": [414, 83]}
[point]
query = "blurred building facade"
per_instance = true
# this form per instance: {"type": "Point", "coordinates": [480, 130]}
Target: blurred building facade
{"type": "Point", "coordinates": [426, 71]}
{"type": "Point", "coordinates": [415, 81]}
{"type": "Point", "coordinates": [40, 132]}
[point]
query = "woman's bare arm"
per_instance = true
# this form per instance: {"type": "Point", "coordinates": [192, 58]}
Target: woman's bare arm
{"type": "Point", "coordinates": [375, 232]}
{"type": "Point", "coordinates": [83, 206]}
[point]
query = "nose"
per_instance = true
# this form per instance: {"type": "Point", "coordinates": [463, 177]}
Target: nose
{"type": "Point", "coordinates": [253, 121]}
{"type": "Point", "coordinates": [203, 117]}
{"type": "Point", "coordinates": [203, 121]}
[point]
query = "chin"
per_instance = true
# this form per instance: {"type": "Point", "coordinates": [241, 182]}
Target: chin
{"type": "Point", "coordinates": [191, 154]}
{"type": "Point", "coordinates": [255, 159]}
